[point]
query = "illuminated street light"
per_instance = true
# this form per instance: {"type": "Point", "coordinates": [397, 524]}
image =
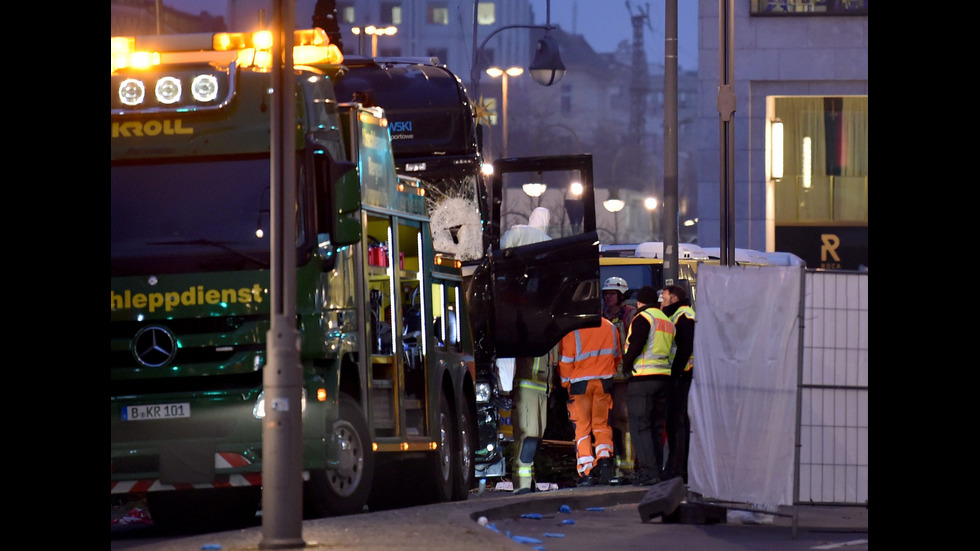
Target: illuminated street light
{"type": "Point", "coordinates": [614, 205]}
{"type": "Point", "coordinates": [506, 74]}
{"type": "Point", "coordinates": [650, 203]}
{"type": "Point", "coordinates": [534, 189]}
{"type": "Point", "coordinates": [374, 33]}
{"type": "Point", "coordinates": [574, 206]}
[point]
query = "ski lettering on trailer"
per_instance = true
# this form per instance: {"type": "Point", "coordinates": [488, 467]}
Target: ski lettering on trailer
{"type": "Point", "coordinates": [142, 129]}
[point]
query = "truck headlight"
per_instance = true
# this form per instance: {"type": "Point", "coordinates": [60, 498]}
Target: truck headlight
{"type": "Point", "coordinates": [258, 410]}
{"type": "Point", "coordinates": [168, 90]}
{"type": "Point", "coordinates": [482, 393]}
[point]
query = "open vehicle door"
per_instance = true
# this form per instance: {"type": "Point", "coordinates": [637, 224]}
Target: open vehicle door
{"type": "Point", "coordinates": [543, 290]}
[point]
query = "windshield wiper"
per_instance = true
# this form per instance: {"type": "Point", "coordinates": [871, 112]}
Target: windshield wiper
{"type": "Point", "coordinates": [218, 244]}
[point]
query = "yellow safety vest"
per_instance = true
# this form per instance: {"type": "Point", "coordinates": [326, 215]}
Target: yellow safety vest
{"type": "Point", "coordinates": [535, 373]}
{"type": "Point", "coordinates": [655, 358]}
{"type": "Point", "coordinates": [682, 311]}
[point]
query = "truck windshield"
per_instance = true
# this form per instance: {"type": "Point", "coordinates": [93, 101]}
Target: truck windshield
{"type": "Point", "coordinates": [200, 215]}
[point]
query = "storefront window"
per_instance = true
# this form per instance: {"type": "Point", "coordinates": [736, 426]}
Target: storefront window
{"type": "Point", "coordinates": [819, 167]}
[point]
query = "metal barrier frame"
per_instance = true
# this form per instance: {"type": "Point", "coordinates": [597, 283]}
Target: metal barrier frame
{"type": "Point", "coordinates": [831, 456]}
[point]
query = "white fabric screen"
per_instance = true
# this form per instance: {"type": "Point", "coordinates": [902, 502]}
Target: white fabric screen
{"type": "Point", "coordinates": [743, 399]}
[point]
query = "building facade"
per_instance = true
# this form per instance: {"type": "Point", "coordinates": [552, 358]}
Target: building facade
{"type": "Point", "coordinates": [800, 72]}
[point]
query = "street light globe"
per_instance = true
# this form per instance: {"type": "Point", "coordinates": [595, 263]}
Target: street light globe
{"type": "Point", "coordinates": [534, 189]}
{"type": "Point", "coordinates": [650, 203]}
{"type": "Point", "coordinates": [546, 68]}
{"type": "Point", "coordinates": [575, 188]}
{"type": "Point", "coordinates": [487, 169]}
{"type": "Point", "coordinates": [614, 205]}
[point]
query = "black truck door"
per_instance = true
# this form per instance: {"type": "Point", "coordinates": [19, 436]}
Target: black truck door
{"type": "Point", "coordinates": [543, 290]}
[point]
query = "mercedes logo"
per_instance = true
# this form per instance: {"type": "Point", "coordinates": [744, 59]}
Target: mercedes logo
{"type": "Point", "coordinates": [154, 346]}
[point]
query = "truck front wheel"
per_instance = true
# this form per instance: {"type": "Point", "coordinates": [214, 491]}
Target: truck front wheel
{"type": "Point", "coordinates": [345, 489]}
{"type": "Point", "coordinates": [442, 466]}
{"type": "Point", "coordinates": [465, 460]}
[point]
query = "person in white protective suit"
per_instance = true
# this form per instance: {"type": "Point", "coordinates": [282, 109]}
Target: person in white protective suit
{"type": "Point", "coordinates": [531, 375]}
{"type": "Point", "coordinates": [535, 231]}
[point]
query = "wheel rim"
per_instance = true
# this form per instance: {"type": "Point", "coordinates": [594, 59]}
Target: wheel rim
{"type": "Point", "coordinates": [350, 460]}
{"type": "Point", "coordinates": [464, 445]}
{"type": "Point", "coordinates": [445, 448]}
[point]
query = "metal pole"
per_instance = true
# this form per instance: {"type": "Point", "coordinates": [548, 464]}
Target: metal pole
{"type": "Point", "coordinates": [670, 145]}
{"type": "Point", "coordinates": [726, 110]}
{"type": "Point", "coordinates": [476, 59]}
{"type": "Point", "coordinates": [801, 317]}
{"type": "Point", "coordinates": [504, 98]}
{"type": "Point", "coordinates": [282, 482]}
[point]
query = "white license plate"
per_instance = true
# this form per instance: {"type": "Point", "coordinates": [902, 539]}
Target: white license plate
{"type": "Point", "coordinates": [156, 411]}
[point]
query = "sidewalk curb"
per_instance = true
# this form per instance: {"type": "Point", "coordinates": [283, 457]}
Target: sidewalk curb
{"type": "Point", "coordinates": [548, 502]}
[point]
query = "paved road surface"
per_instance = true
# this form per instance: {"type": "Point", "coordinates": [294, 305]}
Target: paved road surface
{"type": "Point", "coordinates": [603, 518]}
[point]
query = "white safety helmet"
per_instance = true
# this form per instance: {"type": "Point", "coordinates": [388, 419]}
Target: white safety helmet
{"type": "Point", "coordinates": [616, 284]}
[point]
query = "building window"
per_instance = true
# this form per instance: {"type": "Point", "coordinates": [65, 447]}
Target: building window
{"type": "Point", "coordinates": [345, 12]}
{"type": "Point", "coordinates": [391, 13]}
{"type": "Point", "coordinates": [441, 53]}
{"type": "Point", "coordinates": [566, 99]}
{"type": "Point", "coordinates": [809, 7]}
{"type": "Point", "coordinates": [486, 13]}
{"type": "Point", "coordinates": [820, 166]}
{"type": "Point", "coordinates": [438, 13]}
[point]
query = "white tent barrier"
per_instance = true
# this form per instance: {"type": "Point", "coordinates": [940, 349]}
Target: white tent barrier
{"type": "Point", "coordinates": [779, 404]}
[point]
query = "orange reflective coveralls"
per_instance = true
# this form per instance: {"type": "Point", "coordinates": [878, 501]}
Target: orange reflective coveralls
{"type": "Point", "coordinates": [587, 364]}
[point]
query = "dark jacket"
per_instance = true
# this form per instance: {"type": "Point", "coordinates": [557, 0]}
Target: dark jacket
{"type": "Point", "coordinates": [683, 338]}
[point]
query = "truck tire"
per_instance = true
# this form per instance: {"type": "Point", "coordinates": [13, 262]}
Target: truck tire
{"type": "Point", "coordinates": [464, 474]}
{"type": "Point", "coordinates": [344, 490]}
{"type": "Point", "coordinates": [442, 463]}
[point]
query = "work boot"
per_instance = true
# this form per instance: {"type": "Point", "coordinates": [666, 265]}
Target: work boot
{"type": "Point", "coordinates": [605, 471]}
{"type": "Point", "coordinates": [644, 478]}
{"type": "Point", "coordinates": [585, 481]}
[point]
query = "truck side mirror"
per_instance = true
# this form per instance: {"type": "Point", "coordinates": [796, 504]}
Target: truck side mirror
{"type": "Point", "coordinates": [341, 199]}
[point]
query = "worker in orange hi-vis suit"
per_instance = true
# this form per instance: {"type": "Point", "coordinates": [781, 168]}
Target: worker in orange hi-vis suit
{"type": "Point", "coordinates": [587, 363]}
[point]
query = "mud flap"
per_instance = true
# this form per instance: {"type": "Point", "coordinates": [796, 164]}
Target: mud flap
{"type": "Point", "coordinates": [187, 462]}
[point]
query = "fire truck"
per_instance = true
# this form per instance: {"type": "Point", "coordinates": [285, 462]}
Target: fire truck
{"type": "Point", "coordinates": [388, 324]}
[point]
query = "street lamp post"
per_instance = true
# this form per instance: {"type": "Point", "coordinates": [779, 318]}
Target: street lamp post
{"type": "Point", "coordinates": [504, 74]}
{"type": "Point", "coordinates": [614, 204]}
{"type": "Point", "coordinates": [651, 205]}
{"type": "Point", "coordinates": [574, 206]}
{"type": "Point", "coordinates": [546, 68]}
